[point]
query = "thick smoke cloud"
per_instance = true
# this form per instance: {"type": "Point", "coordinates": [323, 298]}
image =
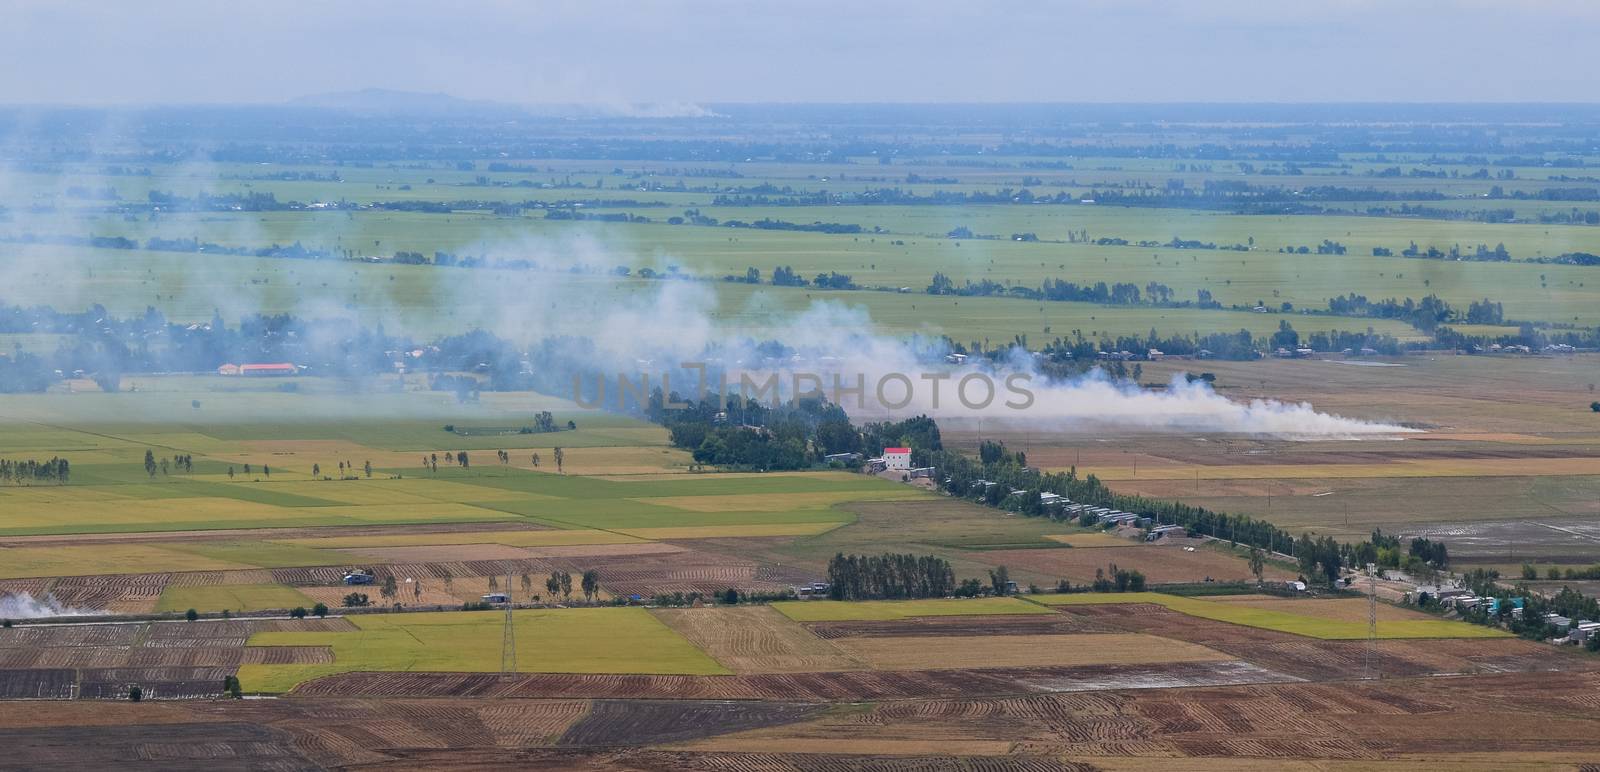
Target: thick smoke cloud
{"type": "Point", "coordinates": [640, 327]}
{"type": "Point", "coordinates": [23, 605]}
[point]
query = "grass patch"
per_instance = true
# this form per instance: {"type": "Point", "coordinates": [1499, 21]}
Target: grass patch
{"type": "Point", "coordinates": [233, 597]}
{"type": "Point", "coordinates": [732, 531]}
{"type": "Point", "coordinates": [584, 640]}
{"type": "Point", "coordinates": [876, 610]}
{"type": "Point", "coordinates": [1091, 539]}
{"type": "Point", "coordinates": [100, 559]}
{"type": "Point", "coordinates": [265, 554]}
{"type": "Point", "coordinates": [508, 538]}
{"type": "Point", "coordinates": [1284, 622]}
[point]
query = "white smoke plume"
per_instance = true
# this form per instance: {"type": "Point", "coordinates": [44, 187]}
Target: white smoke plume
{"type": "Point", "coordinates": [644, 326]}
{"type": "Point", "coordinates": [23, 605]}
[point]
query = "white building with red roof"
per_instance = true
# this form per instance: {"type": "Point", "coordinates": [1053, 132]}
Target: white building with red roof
{"type": "Point", "coordinates": [897, 458]}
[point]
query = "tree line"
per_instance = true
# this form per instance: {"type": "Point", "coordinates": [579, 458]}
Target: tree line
{"type": "Point", "coordinates": [24, 471]}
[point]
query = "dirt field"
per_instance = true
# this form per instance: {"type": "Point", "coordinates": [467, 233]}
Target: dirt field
{"type": "Point", "coordinates": [1508, 721]}
{"type": "Point", "coordinates": [1159, 564]}
{"type": "Point", "coordinates": [757, 639]}
{"type": "Point", "coordinates": [956, 652]}
{"type": "Point", "coordinates": [1010, 624]}
{"type": "Point", "coordinates": [1342, 609]}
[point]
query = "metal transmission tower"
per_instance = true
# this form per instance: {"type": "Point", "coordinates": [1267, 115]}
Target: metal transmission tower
{"type": "Point", "coordinates": [508, 641]}
{"type": "Point", "coordinates": [1372, 620]}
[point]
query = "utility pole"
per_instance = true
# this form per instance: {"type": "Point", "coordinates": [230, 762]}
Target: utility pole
{"type": "Point", "coordinates": [1372, 621]}
{"type": "Point", "coordinates": [508, 641]}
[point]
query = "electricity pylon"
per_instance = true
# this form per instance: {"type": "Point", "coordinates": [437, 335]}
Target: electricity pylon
{"type": "Point", "coordinates": [508, 641]}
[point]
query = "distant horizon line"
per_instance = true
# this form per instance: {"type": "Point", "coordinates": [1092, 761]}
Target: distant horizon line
{"type": "Point", "coordinates": [307, 101]}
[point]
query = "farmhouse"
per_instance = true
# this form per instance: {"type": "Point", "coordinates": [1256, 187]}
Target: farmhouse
{"type": "Point", "coordinates": [897, 459]}
{"type": "Point", "coordinates": [228, 369]}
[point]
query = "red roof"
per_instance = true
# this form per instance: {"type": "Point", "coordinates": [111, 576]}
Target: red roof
{"type": "Point", "coordinates": [897, 450]}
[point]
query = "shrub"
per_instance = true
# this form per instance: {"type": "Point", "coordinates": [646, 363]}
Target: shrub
{"type": "Point", "coordinates": [135, 694]}
{"type": "Point", "coordinates": [355, 599]}
{"type": "Point", "coordinates": [191, 615]}
{"type": "Point", "coordinates": [298, 612]}
{"type": "Point", "coordinates": [321, 609]}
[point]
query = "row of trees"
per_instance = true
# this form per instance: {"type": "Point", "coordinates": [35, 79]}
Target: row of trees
{"type": "Point", "coordinates": [183, 462]}
{"type": "Point", "coordinates": [1320, 558]}
{"type": "Point", "coordinates": [889, 576]}
{"type": "Point", "coordinates": [22, 472]}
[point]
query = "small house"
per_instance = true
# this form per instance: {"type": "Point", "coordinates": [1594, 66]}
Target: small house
{"type": "Point", "coordinates": [897, 459]}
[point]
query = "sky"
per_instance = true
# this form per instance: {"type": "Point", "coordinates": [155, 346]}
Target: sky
{"type": "Point", "coordinates": [616, 52]}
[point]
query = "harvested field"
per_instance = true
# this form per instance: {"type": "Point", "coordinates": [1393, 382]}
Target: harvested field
{"type": "Point", "coordinates": [529, 723]}
{"type": "Point", "coordinates": [838, 611]}
{"type": "Point", "coordinates": [1323, 660]}
{"type": "Point", "coordinates": [1159, 564]}
{"type": "Point", "coordinates": [1239, 613]}
{"type": "Point", "coordinates": [175, 746]}
{"type": "Point", "coordinates": [158, 683]}
{"type": "Point", "coordinates": [757, 639]}
{"type": "Point", "coordinates": [957, 652]}
{"type": "Point", "coordinates": [732, 531]}
{"type": "Point", "coordinates": [42, 684]}
{"type": "Point", "coordinates": [1012, 624]}
{"type": "Point", "coordinates": [1339, 609]}
{"type": "Point", "coordinates": [805, 687]}
{"type": "Point", "coordinates": [644, 722]}
{"type": "Point", "coordinates": [1091, 540]}
{"type": "Point", "coordinates": [235, 597]}
{"type": "Point", "coordinates": [605, 550]}
{"type": "Point", "coordinates": [443, 553]}
{"type": "Point", "coordinates": [466, 533]}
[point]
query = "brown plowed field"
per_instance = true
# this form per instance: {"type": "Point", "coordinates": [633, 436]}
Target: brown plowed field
{"type": "Point", "coordinates": [158, 683]}
{"type": "Point", "coordinates": [530, 723]}
{"type": "Point", "coordinates": [192, 746]}
{"type": "Point", "coordinates": [1471, 723]}
{"type": "Point", "coordinates": [1003, 624]}
{"type": "Point", "coordinates": [646, 722]}
{"type": "Point", "coordinates": [1317, 660]}
{"type": "Point", "coordinates": [956, 652]}
{"type": "Point", "coordinates": [808, 687]}
{"type": "Point", "coordinates": [757, 639]}
{"type": "Point", "coordinates": [212, 578]}
{"type": "Point", "coordinates": [1159, 564]}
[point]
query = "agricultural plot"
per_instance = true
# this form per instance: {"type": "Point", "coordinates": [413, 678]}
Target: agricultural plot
{"type": "Point", "coordinates": [237, 597]}
{"type": "Point", "coordinates": [1162, 564]}
{"type": "Point", "coordinates": [839, 611]}
{"type": "Point", "coordinates": [982, 651]}
{"type": "Point", "coordinates": [757, 639]}
{"type": "Point", "coordinates": [1302, 620]}
{"type": "Point", "coordinates": [601, 640]}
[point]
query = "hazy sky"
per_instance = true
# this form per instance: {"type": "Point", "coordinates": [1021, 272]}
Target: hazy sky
{"type": "Point", "coordinates": [612, 52]}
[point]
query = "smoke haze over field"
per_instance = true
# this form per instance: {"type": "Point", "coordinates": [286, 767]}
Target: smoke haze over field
{"type": "Point", "coordinates": [23, 605]}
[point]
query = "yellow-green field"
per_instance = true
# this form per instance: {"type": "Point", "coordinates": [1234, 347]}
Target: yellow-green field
{"type": "Point", "coordinates": [232, 597]}
{"type": "Point", "coordinates": [1282, 621]}
{"type": "Point", "coordinates": [589, 640]}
